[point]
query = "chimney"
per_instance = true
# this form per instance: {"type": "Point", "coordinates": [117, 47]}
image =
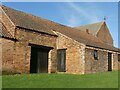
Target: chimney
{"type": "Point", "coordinates": [87, 31]}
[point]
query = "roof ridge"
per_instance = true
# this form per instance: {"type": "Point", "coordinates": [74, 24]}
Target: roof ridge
{"type": "Point", "coordinates": [90, 24]}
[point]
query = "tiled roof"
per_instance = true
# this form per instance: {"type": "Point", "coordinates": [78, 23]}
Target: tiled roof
{"type": "Point", "coordinates": [4, 32]}
{"type": "Point", "coordinates": [24, 20]}
{"type": "Point", "coordinates": [36, 23]}
{"type": "Point", "coordinates": [93, 28]}
{"type": "Point", "coordinates": [78, 35]}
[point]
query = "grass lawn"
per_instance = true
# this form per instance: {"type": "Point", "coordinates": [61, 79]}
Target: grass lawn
{"type": "Point", "coordinates": [99, 80]}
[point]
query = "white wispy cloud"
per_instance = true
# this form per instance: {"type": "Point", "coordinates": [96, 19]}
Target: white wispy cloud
{"type": "Point", "coordinates": [78, 14]}
{"type": "Point", "coordinates": [73, 20]}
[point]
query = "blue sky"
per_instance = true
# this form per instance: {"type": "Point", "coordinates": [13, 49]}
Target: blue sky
{"type": "Point", "coordinates": [74, 13]}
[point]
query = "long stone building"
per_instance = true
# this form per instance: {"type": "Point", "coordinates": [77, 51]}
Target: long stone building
{"type": "Point", "coordinates": [31, 44]}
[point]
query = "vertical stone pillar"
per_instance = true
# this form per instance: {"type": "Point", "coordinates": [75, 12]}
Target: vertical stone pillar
{"type": "Point", "coordinates": [115, 61]}
{"type": "Point", "coordinates": [52, 61]}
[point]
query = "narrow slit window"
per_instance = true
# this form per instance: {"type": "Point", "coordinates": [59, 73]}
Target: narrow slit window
{"type": "Point", "coordinates": [95, 54]}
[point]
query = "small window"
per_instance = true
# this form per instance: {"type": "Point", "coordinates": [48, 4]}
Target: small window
{"type": "Point", "coordinates": [119, 57]}
{"type": "Point", "coordinates": [95, 54]}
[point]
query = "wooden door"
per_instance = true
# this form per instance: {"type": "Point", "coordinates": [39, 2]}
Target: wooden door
{"type": "Point", "coordinates": [109, 61]}
{"type": "Point", "coordinates": [61, 60]}
{"type": "Point", "coordinates": [39, 59]}
{"type": "Point", "coordinates": [42, 65]}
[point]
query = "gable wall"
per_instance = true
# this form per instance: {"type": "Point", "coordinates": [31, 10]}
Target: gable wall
{"type": "Point", "coordinates": [74, 54]}
{"type": "Point", "coordinates": [105, 35]}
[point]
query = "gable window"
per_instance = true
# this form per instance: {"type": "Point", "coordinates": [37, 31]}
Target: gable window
{"type": "Point", "coordinates": [61, 60]}
{"type": "Point", "coordinates": [95, 54]}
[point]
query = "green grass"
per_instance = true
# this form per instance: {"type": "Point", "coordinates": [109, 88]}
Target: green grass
{"type": "Point", "coordinates": [99, 80]}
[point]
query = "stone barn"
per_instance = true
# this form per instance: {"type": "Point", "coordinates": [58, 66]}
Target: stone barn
{"type": "Point", "coordinates": [34, 47]}
{"type": "Point", "coordinates": [31, 44]}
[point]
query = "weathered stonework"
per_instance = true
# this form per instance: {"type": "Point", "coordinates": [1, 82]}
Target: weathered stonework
{"type": "Point", "coordinates": [74, 54]}
{"type": "Point", "coordinates": [115, 61]}
{"type": "Point", "coordinates": [7, 52]}
{"type": "Point", "coordinates": [100, 65]}
{"type": "Point", "coordinates": [0, 56]}
{"type": "Point", "coordinates": [119, 65]}
{"type": "Point", "coordinates": [91, 65]}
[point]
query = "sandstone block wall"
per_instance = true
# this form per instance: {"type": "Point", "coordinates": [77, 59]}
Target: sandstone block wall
{"type": "Point", "coordinates": [100, 65]}
{"type": "Point", "coordinates": [0, 56]}
{"type": "Point", "coordinates": [92, 65]}
{"type": "Point", "coordinates": [118, 65]}
{"type": "Point", "coordinates": [7, 52]}
{"type": "Point", "coordinates": [115, 61]}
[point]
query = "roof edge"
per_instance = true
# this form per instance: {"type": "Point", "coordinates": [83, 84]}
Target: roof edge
{"type": "Point", "coordinates": [101, 26]}
{"type": "Point", "coordinates": [35, 30]}
{"type": "Point", "coordinates": [88, 24]}
{"type": "Point", "coordinates": [13, 39]}
{"type": "Point", "coordinates": [104, 48]}
{"type": "Point", "coordinates": [7, 15]}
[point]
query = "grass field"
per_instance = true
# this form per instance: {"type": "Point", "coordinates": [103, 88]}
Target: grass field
{"type": "Point", "coordinates": [99, 80]}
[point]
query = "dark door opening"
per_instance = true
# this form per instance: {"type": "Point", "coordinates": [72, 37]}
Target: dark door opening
{"type": "Point", "coordinates": [39, 59]}
{"type": "Point", "coordinates": [109, 61]}
{"type": "Point", "coordinates": [61, 60]}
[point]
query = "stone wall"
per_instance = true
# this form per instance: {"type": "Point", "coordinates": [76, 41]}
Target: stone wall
{"type": "Point", "coordinates": [7, 51]}
{"type": "Point", "coordinates": [23, 50]}
{"type": "Point", "coordinates": [0, 56]}
{"type": "Point", "coordinates": [74, 54]}
{"type": "Point", "coordinates": [118, 61]}
{"type": "Point", "coordinates": [115, 61]}
{"type": "Point", "coordinates": [92, 65]}
{"type": "Point", "coordinates": [119, 65]}
{"type": "Point", "coordinates": [100, 65]}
